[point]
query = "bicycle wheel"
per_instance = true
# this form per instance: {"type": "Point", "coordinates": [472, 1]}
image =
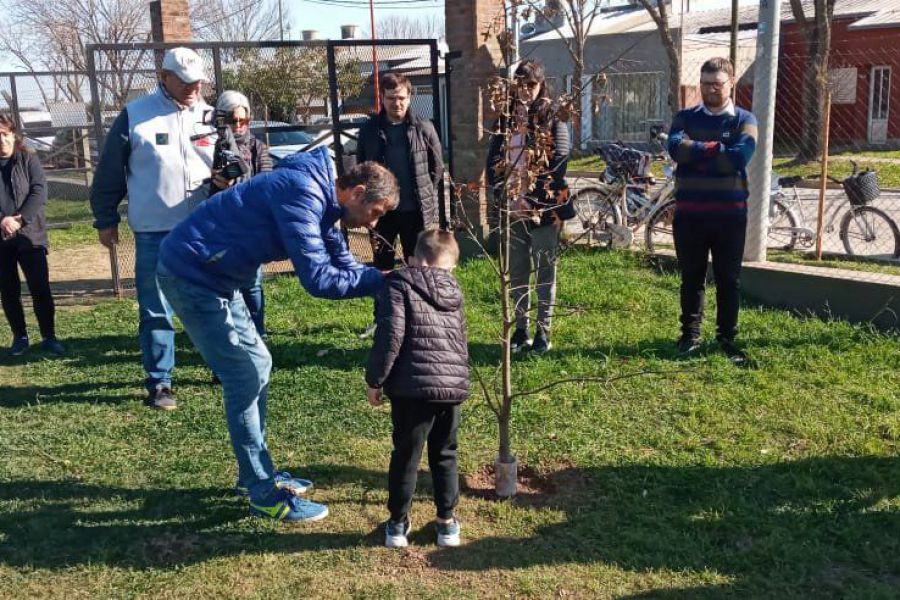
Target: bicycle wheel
{"type": "Point", "coordinates": [783, 223]}
{"type": "Point", "coordinates": [594, 210]}
{"type": "Point", "coordinates": [658, 232]}
{"type": "Point", "coordinates": [869, 231]}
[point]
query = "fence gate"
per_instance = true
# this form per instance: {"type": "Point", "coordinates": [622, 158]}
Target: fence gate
{"type": "Point", "coordinates": [302, 95]}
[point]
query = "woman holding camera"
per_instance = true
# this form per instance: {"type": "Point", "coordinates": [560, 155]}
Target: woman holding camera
{"type": "Point", "coordinates": [235, 107]}
{"type": "Point", "coordinates": [531, 132]}
{"type": "Point", "coordinates": [23, 240]}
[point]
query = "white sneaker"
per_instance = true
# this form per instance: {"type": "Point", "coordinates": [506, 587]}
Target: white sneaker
{"type": "Point", "coordinates": [395, 533]}
{"type": "Point", "coordinates": [448, 534]}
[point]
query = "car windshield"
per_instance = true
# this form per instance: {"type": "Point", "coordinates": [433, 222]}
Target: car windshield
{"type": "Point", "coordinates": [286, 138]}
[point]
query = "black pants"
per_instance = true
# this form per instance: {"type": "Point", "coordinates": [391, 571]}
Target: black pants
{"type": "Point", "coordinates": [33, 260]}
{"type": "Point", "coordinates": [406, 224]}
{"type": "Point", "coordinates": [416, 421]}
{"type": "Point", "coordinates": [695, 239]}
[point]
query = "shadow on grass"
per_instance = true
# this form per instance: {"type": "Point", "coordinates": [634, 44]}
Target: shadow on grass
{"type": "Point", "coordinates": [58, 524]}
{"type": "Point", "coordinates": [823, 527]}
{"type": "Point", "coordinates": [818, 528]}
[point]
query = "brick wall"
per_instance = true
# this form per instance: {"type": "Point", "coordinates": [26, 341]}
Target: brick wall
{"type": "Point", "coordinates": [466, 23]}
{"type": "Point", "coordinates": [170, 21]}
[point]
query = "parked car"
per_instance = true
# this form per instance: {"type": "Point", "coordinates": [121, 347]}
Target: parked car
{"type": "Point", "coordinates": [284, 143]}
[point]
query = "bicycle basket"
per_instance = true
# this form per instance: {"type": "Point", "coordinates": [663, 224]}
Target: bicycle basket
{"type": "Point", "coordinates": [626, 162]}
{"type": "Point", "coordinates": [862, 188]}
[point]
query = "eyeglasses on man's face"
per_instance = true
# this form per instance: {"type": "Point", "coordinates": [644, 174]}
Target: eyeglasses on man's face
{"type": "Point", "coordinates": [714, 85]}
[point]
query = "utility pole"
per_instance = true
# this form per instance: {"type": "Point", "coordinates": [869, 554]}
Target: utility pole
{"type": "Point", "coordinates": [735, 24]}
{"type": "Point", "coordinates": [765, 82]}
{"type": "Point", "coordinates": [375, 59]}
{"type": "Point", "coordinates": [280, 21]}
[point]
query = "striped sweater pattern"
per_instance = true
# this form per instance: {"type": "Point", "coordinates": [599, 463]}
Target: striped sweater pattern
{"type": "Point", "coordinates": [712, 152]}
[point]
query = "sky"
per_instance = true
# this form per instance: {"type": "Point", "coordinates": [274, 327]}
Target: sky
{"type": "Point", "coordinates": [327, 16]}
{"type": "Point", "coordinates": [307, 14]}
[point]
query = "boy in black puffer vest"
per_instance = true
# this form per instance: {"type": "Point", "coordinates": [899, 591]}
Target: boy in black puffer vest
{"type": "Point", "coordinates": [420, 359]}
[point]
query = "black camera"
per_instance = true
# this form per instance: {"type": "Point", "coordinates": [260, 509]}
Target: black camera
{"type": "Point", "coordinates": [226, 159]}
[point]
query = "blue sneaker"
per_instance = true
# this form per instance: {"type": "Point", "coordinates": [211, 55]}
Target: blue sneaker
{"type": "Point", "coordinates": [284, 481]}
{"type": "Point", "coordinates": [282, 505]}
{"type": "Point", "coordinates": [395, 533]}
{"type": "Point", "coordinates": [448, 533]}
{"type": "Point", "coordinates": [19, 346]}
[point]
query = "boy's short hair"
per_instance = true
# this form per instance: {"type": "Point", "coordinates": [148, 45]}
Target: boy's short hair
{"type": "Point", "coordinates": [435, 246]}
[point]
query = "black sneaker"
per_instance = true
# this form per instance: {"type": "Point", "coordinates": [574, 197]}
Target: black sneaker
{"type": "Point", "coordinates": [162, 398]}
{"type": "Point", "coordinates": [53, 346]}
{"type": "Point", "coordinates": [688, 344]}
{"type": "Point", "coordinates": [541, 343]}
{"type": "Point", "coordinates": [520, 341]}
{"type": "Point", "coordinates": [737, 356]}
{"type": "Point", "coordinates": [19, 346]}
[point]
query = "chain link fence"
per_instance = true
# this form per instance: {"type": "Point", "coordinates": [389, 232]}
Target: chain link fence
{"type": "Point", "coordinates": [302, 95]}
{"type": "Point", "coordinates": [844, 117]}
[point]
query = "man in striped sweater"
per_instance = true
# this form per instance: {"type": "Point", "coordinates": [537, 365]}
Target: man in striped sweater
{"type": "Point", "coordinates": [712, 144]}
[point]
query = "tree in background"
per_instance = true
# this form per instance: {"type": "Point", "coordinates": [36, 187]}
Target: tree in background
{"type": "Point", "coordinates": [659, 12]}
{"type": "Point", "coordinates": [402, 27]}
{"type": "Point", "coordinates": [817, 31]}
{"type": "Point", "coordinates": [572, 20]}
{"type": "Point", "coordinates": [51, 35]}
{"type": "Point", "coordinates": [288, 83]}
{"type": "Point", "coordinates": [245, 20]}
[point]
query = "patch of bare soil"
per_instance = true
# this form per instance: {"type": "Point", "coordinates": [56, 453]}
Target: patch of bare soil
{"type": "Point", "coordinates": [542, 485]}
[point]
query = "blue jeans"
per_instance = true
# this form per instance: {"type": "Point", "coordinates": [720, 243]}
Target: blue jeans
{"type": "Point", "coordinates": [256, 302]}
{"type": "Point", "coordinates": [156, 333]}
{"type": "Point", "coordinates": [220, 327]}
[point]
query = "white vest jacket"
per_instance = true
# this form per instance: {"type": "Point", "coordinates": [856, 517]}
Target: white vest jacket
{"type": "Point", "coordinates": [164, 165]}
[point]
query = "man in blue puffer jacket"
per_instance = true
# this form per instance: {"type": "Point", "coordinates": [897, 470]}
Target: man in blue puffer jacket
{"type": "Point", "coordinates": [291, 212]}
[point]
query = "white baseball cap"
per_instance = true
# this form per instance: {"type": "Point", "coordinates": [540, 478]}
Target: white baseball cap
{"type": "Point", "coordinates": [186, 64]}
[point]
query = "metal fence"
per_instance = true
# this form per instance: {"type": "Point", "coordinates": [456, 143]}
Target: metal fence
{"type": "Point", "coordinates": [844, 117]}
{"type": "Point", "coordinates": [302, 94]}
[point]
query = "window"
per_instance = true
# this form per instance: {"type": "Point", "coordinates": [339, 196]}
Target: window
{"type": "Point", "coordinates": [842, 83]}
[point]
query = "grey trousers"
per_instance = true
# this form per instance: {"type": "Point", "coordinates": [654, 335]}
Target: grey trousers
{"type": "Point", "coordinates": [533, 250]}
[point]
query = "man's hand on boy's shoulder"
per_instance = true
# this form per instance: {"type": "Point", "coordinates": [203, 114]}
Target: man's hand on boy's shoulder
{"type": "Point", "coordinates": [373, 395]}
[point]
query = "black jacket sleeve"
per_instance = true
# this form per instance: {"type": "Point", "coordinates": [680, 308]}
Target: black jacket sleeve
{"type": "Point", "coordinates": [390, 329]}
{"type": "Point", "coordinates": [110, 180]}
{"type": "Point", "coordinates": [435, 156]}
{"type": "Point", "coordinates": [34, 202]}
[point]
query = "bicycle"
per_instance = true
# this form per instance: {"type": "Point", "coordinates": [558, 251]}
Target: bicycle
{"type": "Point", "coordinates": [864, 230]}
{"type": "Point", "coordinates": [620, 202]}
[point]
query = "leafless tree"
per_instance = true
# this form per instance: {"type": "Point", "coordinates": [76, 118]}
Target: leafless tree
{"type": "Point", "coordinates": [659, 12]}
{"type": "Point", "coordinates": [52, 35]}
{"type": "Point", "coordinates": [244, 20]}
{"type": "Point", "coordinates": [402, 27]}
{"type": "Point", "coordinates": [572, 20]}
{"type": "Point", "coordinates": [817, 31]}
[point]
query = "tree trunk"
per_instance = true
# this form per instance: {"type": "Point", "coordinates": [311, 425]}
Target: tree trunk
{"type": "Point", "coordinates": [577, 76]}
{"type": "Point", "coordinates": [505, 452]}
{"type": "Point", "coordinates": [674, 99]}
{"type": "Point", "coordinates": [815, 77]}
{"type": "Point", "coordinates": [815, 86]}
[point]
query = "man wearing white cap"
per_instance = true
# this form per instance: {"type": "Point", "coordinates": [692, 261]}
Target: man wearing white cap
{"type": "Point", "coordinates": [156, 153]}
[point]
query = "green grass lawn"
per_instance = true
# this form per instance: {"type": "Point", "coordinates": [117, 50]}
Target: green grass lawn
{"type": "Point", "coordinates": [698, 481]}
{"type": "Point", "coordinates": [834, 262]}
{"type": "Point", "coordinates": [839, 166]}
